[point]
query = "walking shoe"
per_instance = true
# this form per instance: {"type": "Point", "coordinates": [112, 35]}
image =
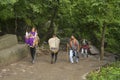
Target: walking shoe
{"type": "Point", "coordinates": [33, 61]}
{"type": "Point", "coordinates": [51, 62]}
{"type": "Point", "coordinates": [77, 61]}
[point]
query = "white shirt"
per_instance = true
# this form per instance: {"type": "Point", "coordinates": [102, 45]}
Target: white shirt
{"type": "Point", "coordinates": [54, 43]}
{"type": "Point", "coordinates": [27, 34]}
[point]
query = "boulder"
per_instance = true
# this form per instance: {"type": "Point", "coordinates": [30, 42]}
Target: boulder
{"type": "Point", "coordinates": [94, 50]}
{"type": "Point", "coordinates": [7, 41]}
{"type": "Point", "coordinates": [10, 50]}
{"type": "Point", "coordinates": [12, 54]}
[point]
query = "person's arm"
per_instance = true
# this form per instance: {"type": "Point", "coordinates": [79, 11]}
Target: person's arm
{"type": "Point", "coordinates": [67, 46]}
{"type": "Point", "coordinates": [26, 35]}
{"type": "Point", "coordinates": [78, 46]}
{"type": "Point", "coordinates": [36, 34]}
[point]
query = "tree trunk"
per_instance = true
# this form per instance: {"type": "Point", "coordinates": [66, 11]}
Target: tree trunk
{"type": "Point", "coordinates": [15, 19]}
{"type": "Point", "coordinates": [16, 24]}
{"type": "Point", "coordinates": [102, 43]}
{"type": "Point", "coordinates": [51, 27]}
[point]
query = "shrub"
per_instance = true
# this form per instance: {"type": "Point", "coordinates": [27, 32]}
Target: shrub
{"type": "Point", "coordinates": [110, 72]}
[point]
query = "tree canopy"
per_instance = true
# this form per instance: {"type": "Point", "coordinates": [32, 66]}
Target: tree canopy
{"type": "Point", "coordinates": [95, 20]}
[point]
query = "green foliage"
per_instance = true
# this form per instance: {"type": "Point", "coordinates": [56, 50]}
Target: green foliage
{"type": "Point", "coordinates": [6, 2]}
{"type": "Point", "coordinates": [113, 39]}
{"type": "Point", "coordinates": [111, 72]}
{"type": "Point", "coordinates": [83, 18]}
{"type": "Point", "coordinates": [6, 9]}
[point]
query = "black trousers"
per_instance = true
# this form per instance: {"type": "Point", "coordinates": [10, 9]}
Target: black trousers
{"type": "Point", "coordinates": [54, 57]}
{"type": "Point", "coordinates": [33, 51]}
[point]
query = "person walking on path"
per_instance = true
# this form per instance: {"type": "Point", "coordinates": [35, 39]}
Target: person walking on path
{"type": "Point", "coordinates": [84, 48]}
{"type": "Point", "coordinates": [54, 43]}
{"type": "Point", "coordinates": [74, 49]}
{"type": "Point", "coordinates": [31, 42]}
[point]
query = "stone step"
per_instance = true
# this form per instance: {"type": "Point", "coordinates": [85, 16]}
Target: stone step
{"type": "Point", "coordinates": [7, 41]}
{"type": "Point", "coordinates": [13, 54]}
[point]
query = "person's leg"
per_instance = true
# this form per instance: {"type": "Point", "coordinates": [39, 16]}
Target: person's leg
{"type": "Point", "coordinates": [76, 56]}
{"type": "Point", "coordinates": [56, 56]}
{"type": "Point", "coordinates": [71, 56]}
{"type": "Point", "coordinates": [82, 51]}
{"type": "Point", "coordinates": [52, 57]}
{"type": "Point", "coordinates": [33, 51]}
{"type": "Point", "coordinates": [86, 52]}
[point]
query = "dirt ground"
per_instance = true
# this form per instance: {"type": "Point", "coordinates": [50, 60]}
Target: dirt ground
{"type": "Point", "coordinates": [43, 70]}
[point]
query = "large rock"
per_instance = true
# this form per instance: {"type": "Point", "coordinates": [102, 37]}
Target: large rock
{"type": "Point", "coordinates": [13, 54]}
{"type": "Point", "coordinates": [7, 41]}
{"type": "Point", "coordinates": [94, 50]}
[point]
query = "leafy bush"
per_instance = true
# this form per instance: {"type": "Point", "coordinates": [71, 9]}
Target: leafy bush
{"type": "Point", "coordinates": [110, 72]}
